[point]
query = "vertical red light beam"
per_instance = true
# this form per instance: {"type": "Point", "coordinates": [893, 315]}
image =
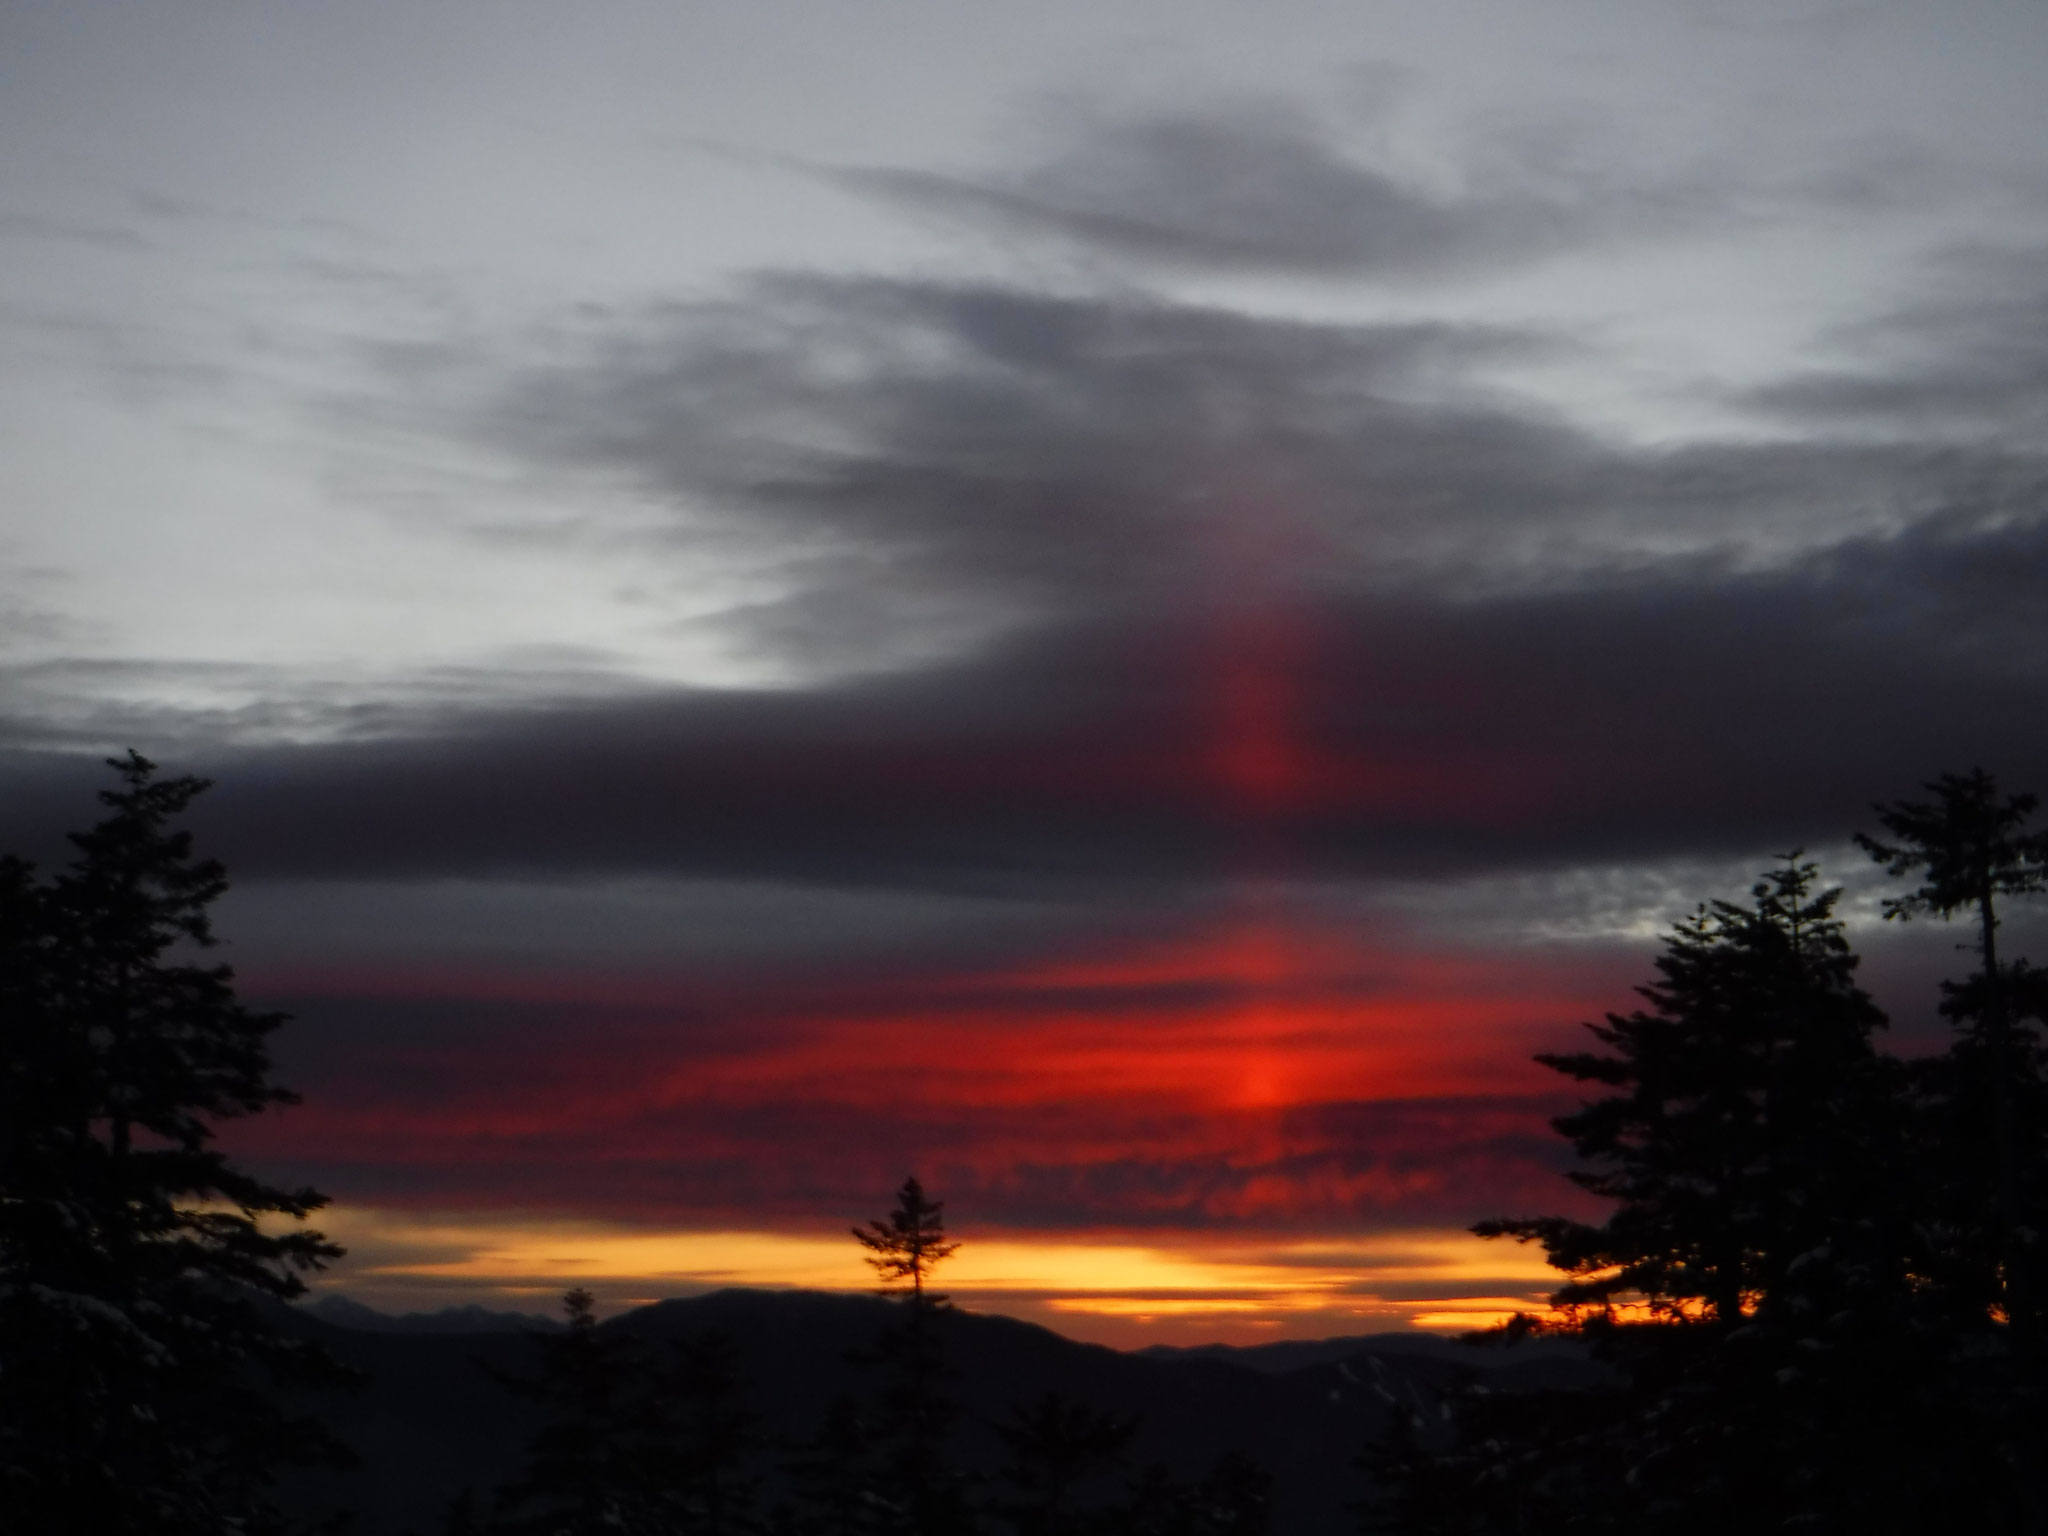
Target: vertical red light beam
{"type": "Point", "coordinates": [1263, 766]}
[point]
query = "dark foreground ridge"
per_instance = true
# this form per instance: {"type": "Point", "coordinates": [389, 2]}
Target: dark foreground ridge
{"type": "Point", "coordinates": [431, 1420]}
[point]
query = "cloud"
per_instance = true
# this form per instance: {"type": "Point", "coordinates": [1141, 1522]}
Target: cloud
{"type": "Point", "coordinates": [61, 231]}
{"type": "Point", "coordinates": [1267, 188]}
{"type": "Point", "coordinates": [188, 707]}
{"type": "Point", "coordinates": [1109, 597]}
{"type": "Point", "coordinates": [1220, 1073]}
{"type": "Point", "coordinates": [914, 468]}
{"type": "Point", "coordinates": [1688, 711]}
{"type": "Point", "coordinates": [1966, 360]}
{"type": "Point", "coordinates": [899, 449]}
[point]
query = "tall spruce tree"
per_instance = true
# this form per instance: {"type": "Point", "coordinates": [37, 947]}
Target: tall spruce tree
{"type": "Point", "coordinates": [1752, 1282]}
{"type": "Point", "coordinates": [134, 1259]}
{"type": "Point", "coordinates": [1968, 845]}
{"type": "Point", "coordinates": [1739, 1091]}
{"type": "Point", "coordinates": [1984, 1106]}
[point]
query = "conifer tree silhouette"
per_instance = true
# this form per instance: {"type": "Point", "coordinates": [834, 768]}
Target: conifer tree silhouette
{"type": "Point", "coordinates": [907, 1245]}
{"type": "Point", "coordinates": [631, 1445]}
{"type": "Point", "coordinates": [904, 1248]}
{"type": "Point", "coordinates": [704, 1439]}
{"type": "Point", "coordinates": [1983, 1254]}
{"type": "Point", "coordinates": [1412, 1487]}
{"type": "Point", "coordinates": [1753, 1282]}
{"type": "Point", "coordinates": [1736, 1089]}
{"type": "Point", "coordinates": [1234, 1498]}
{"type": "Point", "coordinates": [1057, 1449]}
{"type": "Point", "coordinates": [586, 1471]}
{"type": "Point", "coordinates": [133, 1261]}
{"type": "Point", "coordinates": [831, 1475]}
{"type": "Point", "coordinates": [1968, 845]}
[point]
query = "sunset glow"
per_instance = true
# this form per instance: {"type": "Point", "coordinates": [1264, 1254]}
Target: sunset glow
{"type": "Point", "coordinates": [659, 659]}
{"type": "Point", "coordinates": [1125, 1292]}
{"type": "Point", "coordinates": [1133, 642]}
{"type": "Point", "coordinates": [1255, 1053]}
{"type": "Point", "coordinates": [1258, 1121]}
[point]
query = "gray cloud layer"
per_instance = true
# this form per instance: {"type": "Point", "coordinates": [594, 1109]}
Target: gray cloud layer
{"type": "Point", "coordinates": [1267, 188]}
{"type": "Point", "coordinates": [1026, 541]}
{"type": "Point", "coordinates": [915, 454]}
{"type": "Point", "coordinates": [1968, 360]}
{"type": "Point", "coordinates": [1675, 714]}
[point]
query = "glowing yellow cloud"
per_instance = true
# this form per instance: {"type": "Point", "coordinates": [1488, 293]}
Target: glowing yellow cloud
{"type": "Point", "coordinates": [1381, 1276]}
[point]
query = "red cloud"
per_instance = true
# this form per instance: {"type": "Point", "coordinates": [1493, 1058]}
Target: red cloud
{"type": "Point", "coordinates": [1247, 1073]}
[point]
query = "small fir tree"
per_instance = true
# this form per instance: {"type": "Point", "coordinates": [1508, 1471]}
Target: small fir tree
{"type": "Point", "coordinates": [706, 1440]}
{"type": "Point", "coordinates": [1412, 1487]}
{"type": "Point", "coordinates": [1234, 1499]}
{"type": "Point", "coordinates": [587, 1471]}
{"type": "Point", "coordinates": [904, 1248]}
{"type": "Point", "coordinates": [831, 1477]}
{"type": "Point", "coordinates": [1059, 1452]}
{"type": "Point", "coordinates": [908, 1244]}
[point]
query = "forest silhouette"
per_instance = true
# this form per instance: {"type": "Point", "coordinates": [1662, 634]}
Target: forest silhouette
{"type": "Point", "coordinates": [1815, 1301]}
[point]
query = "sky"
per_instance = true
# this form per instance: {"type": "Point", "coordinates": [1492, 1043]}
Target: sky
{"type": "Point", "coordinates": [1125, 607]}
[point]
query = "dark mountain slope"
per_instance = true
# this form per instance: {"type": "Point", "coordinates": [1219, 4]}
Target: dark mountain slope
{"type": "Point", "coordinates": [431, 1420]}
{"type": "Point", "coordinates": [1284, 1355]}
{"type": "Point", "coordinates": [343, 1313]}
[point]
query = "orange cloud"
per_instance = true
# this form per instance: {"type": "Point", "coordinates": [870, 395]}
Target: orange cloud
{"type": "Point", "coordinates": [1122, 1291]}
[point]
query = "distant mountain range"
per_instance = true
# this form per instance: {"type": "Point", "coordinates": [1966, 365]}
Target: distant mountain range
{"type": "Point", "coordinates": [1284, 1355]}
{"type": "Point", "coordinates": [431, 1420]}
{"type": "Point", "coordinates": [344, 1313]}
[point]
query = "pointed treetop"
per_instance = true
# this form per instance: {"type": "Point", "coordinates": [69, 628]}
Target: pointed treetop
{"type": "Point", "coordinates": [910, 1242]}
{"type": "Point", "coordinates": [579, 1309]}
{"type": "Point", "coordinates": [136, 871]}
{"type": "Point", "coordinates": [1967, 839]}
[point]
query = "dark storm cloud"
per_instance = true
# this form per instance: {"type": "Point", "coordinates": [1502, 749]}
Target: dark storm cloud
{"type": "Point", "coordinates": [709, 928]}
{"type": "Point", "coordinates": [1273, 190]}
{"type": "Point", "coordinates": [914, 457]}
{"type": "Point", "coordinates": [1473, 634]}
{"type": "Point", "coordinates": [1683, 712]}
{"type": "Point", "coordinates": [889, 440]}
